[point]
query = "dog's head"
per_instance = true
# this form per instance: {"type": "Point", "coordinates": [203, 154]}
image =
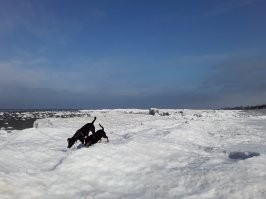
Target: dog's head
{"type": "Point", "coordinates": [88, 141]}
{"type": "Point", "coordinates": [70, 141]}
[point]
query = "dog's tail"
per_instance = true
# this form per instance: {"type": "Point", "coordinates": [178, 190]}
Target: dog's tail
{"type": "Point", "coordinates": [101, 126]}
{"type": "Point", "coordinates": [93, 120]}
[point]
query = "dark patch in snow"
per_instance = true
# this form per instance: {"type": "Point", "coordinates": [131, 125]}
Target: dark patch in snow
{"type": "Point", "coordinates": [238, 155]}
{"type": "Point", "coordinates": [155, 111]}
{"type": "Point", "coordinates": [165, 114]}
{"type": "Point", "coordinates": [182, 113]}
{"type": "Point", "coordinates": [197, 115]}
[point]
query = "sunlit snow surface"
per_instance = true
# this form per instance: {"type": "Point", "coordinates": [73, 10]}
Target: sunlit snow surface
{"type": "Point", "coordinates": [185, 154]}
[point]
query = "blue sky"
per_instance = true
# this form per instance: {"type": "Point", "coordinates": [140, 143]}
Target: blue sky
{"type": "Point", "coordinates": [132, 54]}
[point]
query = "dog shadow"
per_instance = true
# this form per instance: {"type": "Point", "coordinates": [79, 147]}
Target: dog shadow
{"type": "Point", "coordinates": [80, 146]}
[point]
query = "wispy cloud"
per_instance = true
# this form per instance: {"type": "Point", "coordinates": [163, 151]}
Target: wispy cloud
{"type": "Point", "coordinates": [42, 20]}
{"type": "Point", "coordinates": [26, 73]}
{"type": "Point", "coordinates": [222, 7]}
{"type": "Point", "coordinates": [108, 76]}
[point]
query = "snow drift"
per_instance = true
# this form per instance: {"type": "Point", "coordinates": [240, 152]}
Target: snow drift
{"type": "Point", "coordinates": [184, 154]}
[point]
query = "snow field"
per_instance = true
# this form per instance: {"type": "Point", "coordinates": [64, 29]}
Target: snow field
{"type": "Point", "coordinates": [183, 155]}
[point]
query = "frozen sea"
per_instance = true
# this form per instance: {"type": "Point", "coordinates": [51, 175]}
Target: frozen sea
{"type": "Point", "coordinates": [172, 154]}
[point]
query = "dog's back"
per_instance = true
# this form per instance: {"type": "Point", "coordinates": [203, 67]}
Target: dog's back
{"type": "Point", "coordinates": [93, 139]}
{"type": "Point", "coordinates": [87, 128]}
{"type": "Point", "coordinates": [96, 137]}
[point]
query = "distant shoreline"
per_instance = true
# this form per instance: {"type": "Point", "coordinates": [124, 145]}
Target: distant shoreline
{"type": "Point", "coordinates": [35, 110]}
{"type": "Point", "coordinates": [18, 119]}
{"type": "Point", "coordinates": [257, 107]}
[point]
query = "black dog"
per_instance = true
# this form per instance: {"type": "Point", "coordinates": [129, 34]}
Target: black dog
{"type": "Point", "coordinates": [82, 133]}
{"type": "Point", "coordinates": [90, 140]}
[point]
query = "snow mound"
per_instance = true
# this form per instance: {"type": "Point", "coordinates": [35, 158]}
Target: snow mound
{"type": "Point", "coordinates": [153, 111]}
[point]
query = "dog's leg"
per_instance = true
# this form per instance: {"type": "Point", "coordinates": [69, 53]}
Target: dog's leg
{"type": "Point", "coordinates": [81, 140]}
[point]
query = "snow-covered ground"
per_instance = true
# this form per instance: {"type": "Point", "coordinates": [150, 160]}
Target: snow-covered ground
{"type": "Point", "coordinates": [186, 154]}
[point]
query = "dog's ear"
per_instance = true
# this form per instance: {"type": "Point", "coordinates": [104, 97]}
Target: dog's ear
{"type": "Point", "coordinates": [68, 139]}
